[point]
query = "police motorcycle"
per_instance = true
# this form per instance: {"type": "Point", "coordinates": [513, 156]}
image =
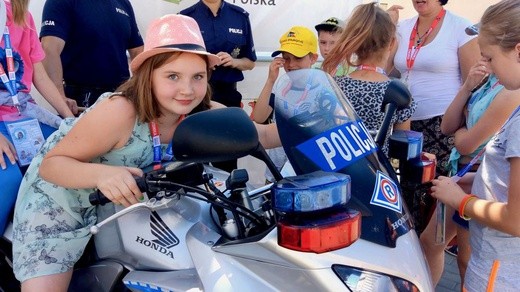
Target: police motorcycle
{"type": "Point", "coordinates": [338, 224]}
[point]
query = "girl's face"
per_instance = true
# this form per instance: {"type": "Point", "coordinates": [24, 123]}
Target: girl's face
{"type": "Point", "coordinates": [505, 64]}
{"type": "Point", "coordinates": [291, 62]}
{"type": "Point", "coordinates": [180, 84]}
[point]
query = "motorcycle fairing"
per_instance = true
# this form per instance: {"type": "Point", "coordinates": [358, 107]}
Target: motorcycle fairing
{"type": "Point", "coordinates": [327, 117]}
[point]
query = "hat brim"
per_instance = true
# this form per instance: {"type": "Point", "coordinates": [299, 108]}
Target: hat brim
{"type": "Point", "coordinates": [294, 51]}
{"type": "Point", "coordinates": [327, 27]}
{"type": "Point", "coordinates": [213, 60]}
{"type": "Point", "coordinates": [473, 29]}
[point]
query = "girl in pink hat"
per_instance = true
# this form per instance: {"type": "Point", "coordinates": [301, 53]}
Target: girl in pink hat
{"type": "Point", "coordinates": [105, 148]}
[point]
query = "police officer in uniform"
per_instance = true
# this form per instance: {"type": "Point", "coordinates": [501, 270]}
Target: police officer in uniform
{"type": "Point", "coordinates": [227, 33]}
{"type": "Point", "coordinates": [85, 44]}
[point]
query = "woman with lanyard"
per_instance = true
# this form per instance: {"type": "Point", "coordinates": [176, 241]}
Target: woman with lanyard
{"type": "Point", "coordinates": [21, 55]}
{"type": "Point", "coordinates": [434, 56]}
{"type": "Point", "coordinates": [369, 35]}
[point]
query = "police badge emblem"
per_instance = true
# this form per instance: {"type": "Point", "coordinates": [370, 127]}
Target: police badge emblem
{"type": "Point", "coordinates": [235, 52]}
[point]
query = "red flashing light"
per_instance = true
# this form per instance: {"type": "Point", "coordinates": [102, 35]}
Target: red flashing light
{"type": "Point", "coordinates": [337, 231]}
{"type": "Point", "coordinates": [429, 163]}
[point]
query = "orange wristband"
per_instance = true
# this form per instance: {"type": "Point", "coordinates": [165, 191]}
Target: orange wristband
{"type": "Point", "coordinates": [463, 204]}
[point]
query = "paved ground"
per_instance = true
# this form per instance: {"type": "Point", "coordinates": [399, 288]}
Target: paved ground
{"type": "Point", "coordinates": [450, 280]}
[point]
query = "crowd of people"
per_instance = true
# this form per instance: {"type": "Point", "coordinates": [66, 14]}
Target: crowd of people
{"type": "Point", "coordinates": [464, 104]}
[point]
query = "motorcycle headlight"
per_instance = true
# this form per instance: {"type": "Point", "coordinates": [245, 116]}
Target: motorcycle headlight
{"type": "Point", "coordinates": [359, 280]}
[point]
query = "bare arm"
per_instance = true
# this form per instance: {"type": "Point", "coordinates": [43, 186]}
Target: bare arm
{"type": "Point", "coordinates": [390, 67]}
{"type": "Point", "coordinates": [469, 54]}
{"type": "Point", "coordinates": [497, 215]}
{"type": "Point", "coordinates": [454, 117]}
{"type": "Point", "coordinates": [68, 163]}
{"type": "Point", "coordinates": [53, 46]}
{"type": "Point", "coordinates": [393, 11]}
{"type": "Point", "coordinates": [498, 111]}
{"type": "Point", "coordinates": [262, 109]}
{"type": "Point", "coordinates": [8, 149]}
{"type": "Point", "coordinates": [403, 126]}
{"type": "Point", "coordinates": [241, 64]}
{"type": "Point", "coordinates": [135, 51]}
{"type": "Point", "coordinates": [48, 90]}
{"type": "Point", "coordinates": [268, 135]}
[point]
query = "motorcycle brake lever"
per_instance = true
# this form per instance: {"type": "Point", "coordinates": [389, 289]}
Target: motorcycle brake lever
{"type": "Point", "coordinates": [152, 204]}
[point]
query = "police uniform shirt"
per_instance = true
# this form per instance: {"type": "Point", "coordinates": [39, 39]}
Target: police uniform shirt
{"type": "Point", "coordinates": [97, 34]}
{"type": "Point", "coordinates": [229, 31]}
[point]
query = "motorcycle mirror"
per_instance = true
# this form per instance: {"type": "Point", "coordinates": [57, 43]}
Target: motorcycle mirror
{"type": "Point", "coordinates": [215, 135]}
{"type": "Point", "coordinates": [398, 94]}
{"type": "Point", "coordinates": [397, 97]}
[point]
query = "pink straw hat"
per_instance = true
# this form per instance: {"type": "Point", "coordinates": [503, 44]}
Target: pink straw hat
{"type": "Point", "coordinates": [173, 33]}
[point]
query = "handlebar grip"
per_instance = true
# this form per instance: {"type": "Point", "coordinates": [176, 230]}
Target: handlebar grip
{"type": "Point", "coordinates": [98, 198]}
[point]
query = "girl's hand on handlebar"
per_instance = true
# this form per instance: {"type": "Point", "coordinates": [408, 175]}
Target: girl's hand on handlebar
{"type": "Point", "coordinates": [118, 185]}
{"type": "Point", "coordinates": [8, 149]}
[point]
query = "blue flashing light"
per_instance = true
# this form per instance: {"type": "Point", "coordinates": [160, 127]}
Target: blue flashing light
{"type": "Point", "coordinates": [405, 144]}
{"type": "Point", "coordinates": [145, 287]}
{"type": "Point", "coordinates": [316, 191]}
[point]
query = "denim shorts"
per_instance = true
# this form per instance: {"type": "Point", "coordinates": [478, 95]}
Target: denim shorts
{"type": "Point", "coordinates": [457, 219]}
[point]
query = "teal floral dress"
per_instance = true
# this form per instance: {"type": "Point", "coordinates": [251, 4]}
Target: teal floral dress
{"type": "Point", "coordinates": [51, 223]}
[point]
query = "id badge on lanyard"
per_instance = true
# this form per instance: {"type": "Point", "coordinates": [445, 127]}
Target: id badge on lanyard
{"type": "Point", "coordinates": [26, 135]}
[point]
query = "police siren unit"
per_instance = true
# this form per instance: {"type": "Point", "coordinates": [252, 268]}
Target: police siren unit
{"type": "Point", "coordinates": [320, 131]}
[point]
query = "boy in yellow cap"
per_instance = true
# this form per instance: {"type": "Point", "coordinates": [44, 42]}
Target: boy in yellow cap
{"type": "Point", "coordinates": [298, 50]}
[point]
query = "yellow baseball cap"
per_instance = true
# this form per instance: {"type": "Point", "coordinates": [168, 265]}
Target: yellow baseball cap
{"type": "Point", "coordinates": [299, 41]}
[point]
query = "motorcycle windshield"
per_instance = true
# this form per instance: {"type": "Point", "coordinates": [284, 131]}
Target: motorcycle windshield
{"type": "Point", "coordinates": [320, 130]}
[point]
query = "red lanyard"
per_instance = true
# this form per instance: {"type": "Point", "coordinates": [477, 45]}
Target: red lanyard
{"type": "Point", "coordinates": [414, 50]}
{"type": "Point", "coordinates": [156, 143]}
{"type": "Point", "coordinates": [371, 68]}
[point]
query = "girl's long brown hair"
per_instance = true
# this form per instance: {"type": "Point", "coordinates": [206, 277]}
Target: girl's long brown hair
{"type": "Point", "coordinates": [138, 89]}
{"type": "Point", "coordinates": [500, 24]}
{"type": "Point", "coordinates": [20, 8]}
{"type": "Point", "coordinates": [369, 30]}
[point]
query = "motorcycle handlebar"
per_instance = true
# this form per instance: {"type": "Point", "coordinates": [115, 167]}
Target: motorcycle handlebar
{"type": "Point", "coordinates": [98, 198]}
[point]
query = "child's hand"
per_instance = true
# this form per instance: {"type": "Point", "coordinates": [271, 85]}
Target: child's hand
{"type": "Point", "coordinates": [226, 60]}
{"type": "Point", "coordinates": [118, 184]}
{"type": "Point", "coordinates": [73, 106]}
{"type": "Point", "coordinates": [274, 68]}
{"type": "Point", "coordinates": [447, 191]}
{"type": "Point", "coordinates": [8, 149]}
{"type": "Point", "coordinates": [476, 74]}
{"type": "Point", "coordinates": [393, 11]}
